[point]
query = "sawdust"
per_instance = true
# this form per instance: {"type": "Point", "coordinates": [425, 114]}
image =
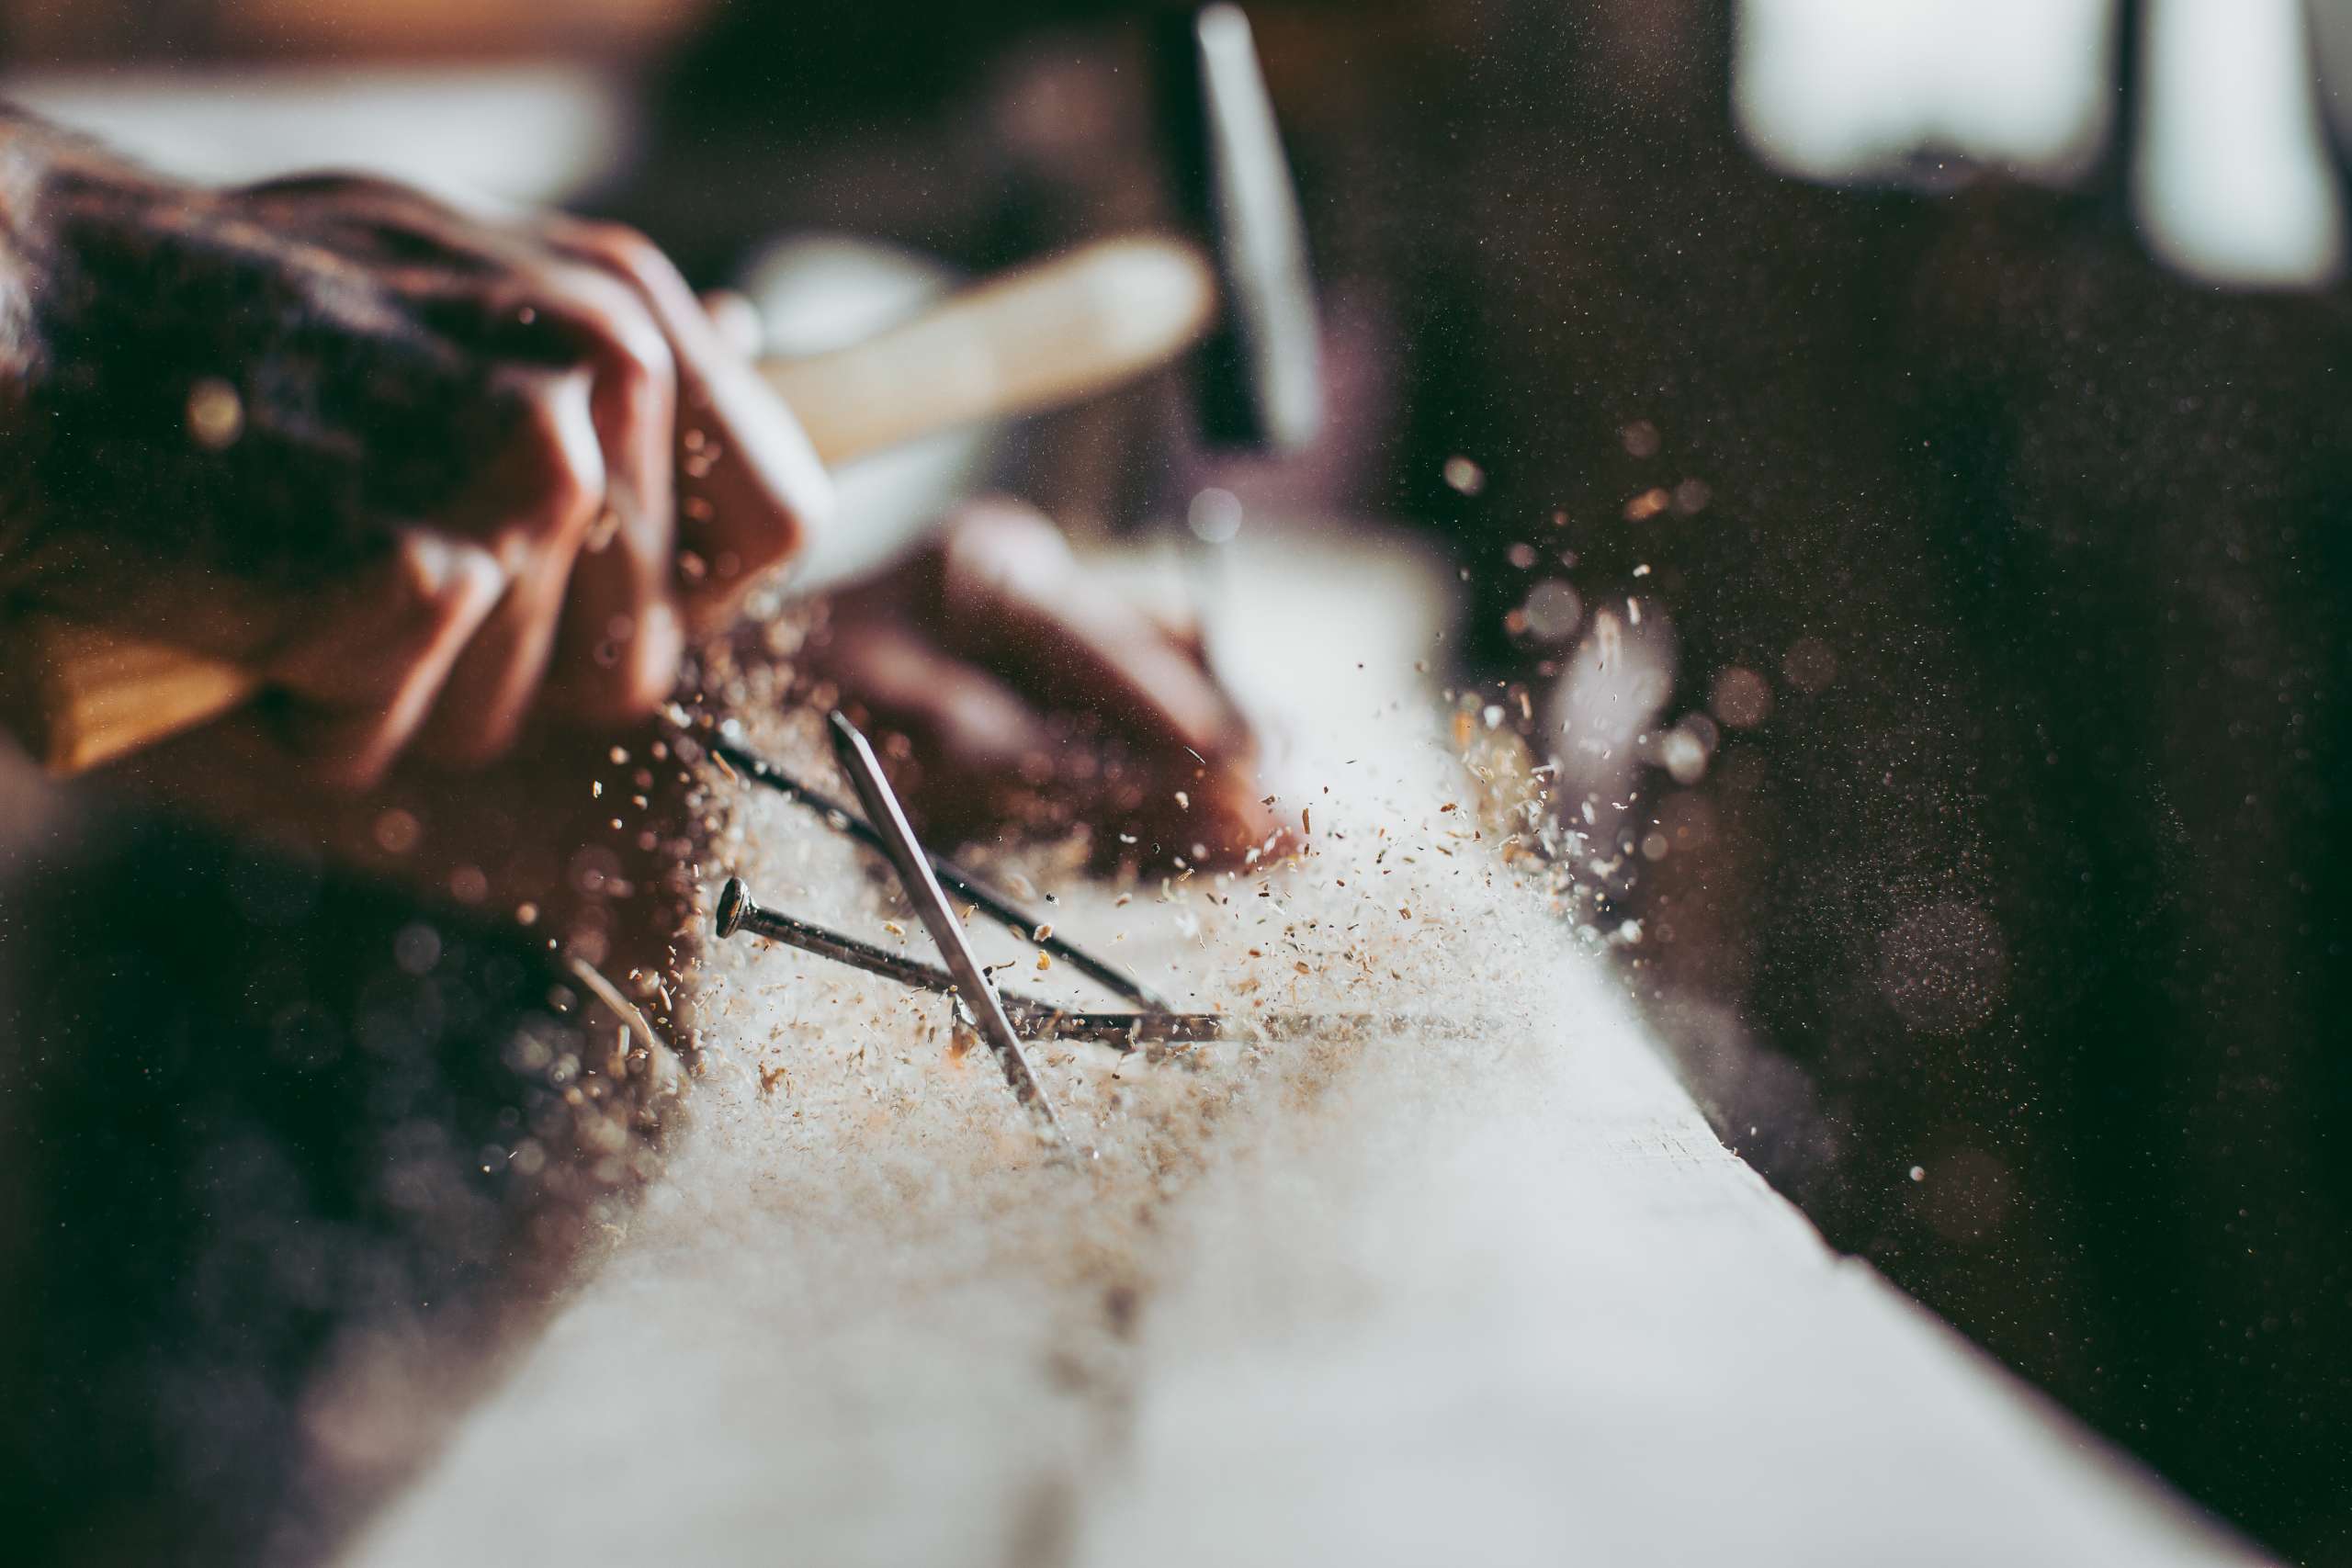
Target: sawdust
{"type": "Point", "coordinates": [1383, 1296]}
{"type": "Point", "coordinates": [869, 1224]}
{"type": "Point", "coordinates": [851, 1107]}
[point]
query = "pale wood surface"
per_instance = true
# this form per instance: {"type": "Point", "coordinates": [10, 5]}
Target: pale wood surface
{"type": "Point", "coordinates": [1403, 1300]}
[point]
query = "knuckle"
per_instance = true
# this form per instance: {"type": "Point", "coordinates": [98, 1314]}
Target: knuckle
{"type": "Point", "coordinates": [417, 574]}
{"type": "Point", "coordinates": [640, 358]}
{"type": "Point", "coordinates": [564, 483]}
{"type": "Point", "coordinates": [434, 587]}
{"type": "Point", "coordinates": [438, 584]}
{"type": "Point", "coordinates": [624, 250]}
{"type": "Point", "coordinates": [617, 336]}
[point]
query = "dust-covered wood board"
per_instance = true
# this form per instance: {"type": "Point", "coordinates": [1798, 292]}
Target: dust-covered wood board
{"type": "Point", "coordinates": [1488, 1296]}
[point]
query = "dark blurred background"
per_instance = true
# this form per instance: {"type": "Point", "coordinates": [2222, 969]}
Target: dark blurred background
{"type": "Point", "coordinates": [1899, 451]}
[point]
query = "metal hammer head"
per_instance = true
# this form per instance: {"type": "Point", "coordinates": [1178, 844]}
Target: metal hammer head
{"type": "Point", "coordinates": [1261, 373]}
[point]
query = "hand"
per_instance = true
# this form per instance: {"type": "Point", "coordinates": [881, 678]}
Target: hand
{"type": "Point", "coordinates": [430, 474]}
{"type": "Point", "coordinates": [1009, 687]}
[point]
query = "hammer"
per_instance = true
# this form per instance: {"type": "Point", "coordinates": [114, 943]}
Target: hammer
{"type": "Point", "coordinates": [1042, 337]}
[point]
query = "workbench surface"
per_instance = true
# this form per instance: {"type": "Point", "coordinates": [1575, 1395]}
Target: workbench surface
{"type": "Point", "coordinates": [1490, 1295]}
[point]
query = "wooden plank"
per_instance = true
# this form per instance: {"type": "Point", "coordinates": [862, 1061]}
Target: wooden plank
{"type": "Point", "coordinates": [1406, 1299]}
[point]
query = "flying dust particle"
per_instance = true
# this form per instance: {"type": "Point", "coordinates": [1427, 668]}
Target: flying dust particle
{"type": "Point", "coordinates": [397, 832]}
{"type": "Point", "coordinates": [216, 415]}
{"type": "Point", "coordinates": [1742, 698]}
{"type": "Point", "coordinates": [1683, 754]}
{"type": "Point", "coordinates": [1646, 506]}
{"type": "Point", "coordinates": [1215, 516]}
{"type": "Point", "coordinates": [1809, 665]}
{"type": "Point", "coordinates": [1552, 611]}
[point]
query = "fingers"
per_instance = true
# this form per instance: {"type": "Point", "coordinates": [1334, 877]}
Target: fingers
{"type": "Point", "coordinates": [534, 511]}
{"type": "Point", "coordinates": [550, 402]}
{"type": "Point", "coordinates": [369, 666]}
{"type": "Point", "coordinates": [981, 755]}
{"type": "Point", "coordinates": [1007, 575]}
{"type": "Point", "coordinates": [752, 487]}
{"type": "Point", "coordinates": [355, 665]}
{"type": "Point", "coordinates": [636, 417]}
{"type": "Point", "coordinates": [622, 633]}
{"type": "Point", "coordinates": [696, 451]}
{"type": "Point", "coordinates": [579, 509]}
{"type": "Point", "coordinates": [1035, 696]}
{"type": "Point", "coordinates": [571, 526]}
{"type": "Point", "coordinates": [973, 746]}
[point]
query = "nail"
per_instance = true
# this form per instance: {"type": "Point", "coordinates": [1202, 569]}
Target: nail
{"type": "Point", "coordinates": [1036, 1018]}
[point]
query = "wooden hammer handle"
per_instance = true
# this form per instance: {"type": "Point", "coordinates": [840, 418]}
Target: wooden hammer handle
{"type": "Point", "coordinates": [1045, 335]}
